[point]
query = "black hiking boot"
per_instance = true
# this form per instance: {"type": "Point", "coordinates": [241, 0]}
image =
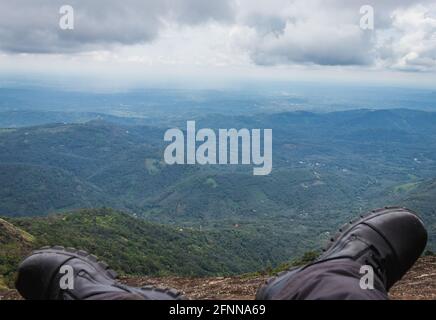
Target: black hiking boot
{"type": "Point", "coordinates": [390, 240]}
{"type": "Point", "coordinates": [43, 276]}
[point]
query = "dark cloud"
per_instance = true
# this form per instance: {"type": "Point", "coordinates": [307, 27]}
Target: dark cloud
{"type": "Point", "coordinates": [307, 43]}
{"type": "Point", "coordinates": [32, 26]}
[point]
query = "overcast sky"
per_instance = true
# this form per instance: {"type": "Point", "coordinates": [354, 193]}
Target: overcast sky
{"type": "Point", "coordinates": [134, 42]}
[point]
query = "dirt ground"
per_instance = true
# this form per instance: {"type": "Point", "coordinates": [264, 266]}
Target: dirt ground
{"type": "Point", "coordinates": [419, 283]}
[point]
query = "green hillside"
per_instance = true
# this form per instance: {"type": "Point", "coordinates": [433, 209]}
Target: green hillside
{"type": "Point", "coordinates": [14, 244]}
{"type": "Point", "coordinates": [422, 199]}
{"type": "Point", "coordinates": [133, 246]}
{"type": "Point", "coordinates": [33, 188]}
{"type": "Point", "coordinates": [323, 163]}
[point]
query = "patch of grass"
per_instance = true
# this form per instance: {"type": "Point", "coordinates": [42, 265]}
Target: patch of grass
{"type": "Point", "coordinates": [3, 285]}
{"type": "Point", "coordinates": [429, 253]}
{"type": "Point", "coordinates": [406, 187]}
{"type": "Point", "coordinates": [306, 258]}
{"type": "Point", "coordinates": [17, 232]}
{"type": "Point", "coordinates": [152, 166]}
{"type": "Point", "coordinates": [210, 182]}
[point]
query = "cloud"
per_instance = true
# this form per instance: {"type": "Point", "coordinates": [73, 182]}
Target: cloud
{"type": "Point", "coordinates": [328, 33]}
{"type": "Point", "coordinates": [411, 41]}
{"type": "Point", "coordinates": [32, 26]}
{"type": "Point", "coordinates": [308, 34]}
{"type": "Point", "coordinates": [227, 32]}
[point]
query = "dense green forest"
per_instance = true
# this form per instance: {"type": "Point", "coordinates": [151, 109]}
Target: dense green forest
{"type": "Point", "coordinates": [133, 246]}
{"type": "Point", "coordinates": [326, 168]}
{"type": "Point", "coordinates": [201, 220]}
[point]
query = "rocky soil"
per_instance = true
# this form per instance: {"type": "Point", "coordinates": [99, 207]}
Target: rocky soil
{"type": "Point", "coordinates": [419, 283]}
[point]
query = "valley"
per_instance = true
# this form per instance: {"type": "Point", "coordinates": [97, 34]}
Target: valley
{"type": "Point", "coordinates": [327, 168]}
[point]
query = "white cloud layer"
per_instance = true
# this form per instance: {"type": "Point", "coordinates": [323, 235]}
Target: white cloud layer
{"type": "Point", "coordinates": [411, 45]}
{"type": "Point", "coordinates": [226, 32]}
{"type": "Point", "coordinates": [329, 33]}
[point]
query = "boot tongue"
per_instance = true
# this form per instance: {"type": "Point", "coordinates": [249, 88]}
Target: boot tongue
{"type": "Point", "coordinates": [378, 263]}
